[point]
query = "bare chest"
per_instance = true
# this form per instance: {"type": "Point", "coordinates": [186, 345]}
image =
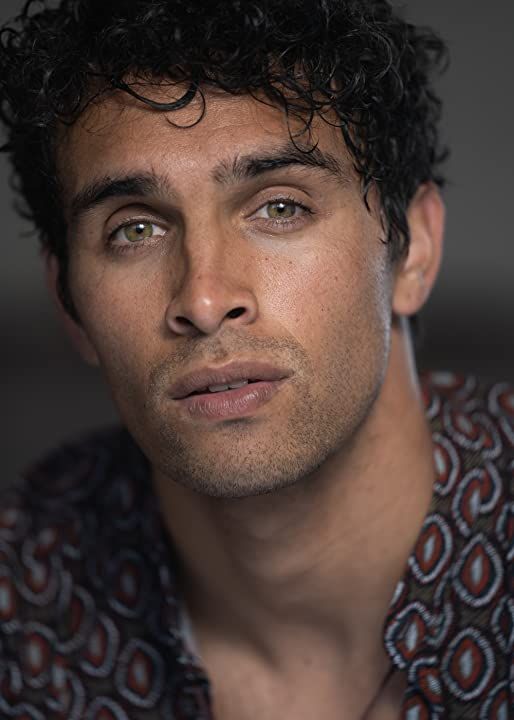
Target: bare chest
{"type": "Point", "coordinates": [241, 696]}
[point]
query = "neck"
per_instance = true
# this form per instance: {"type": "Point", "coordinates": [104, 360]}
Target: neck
{"type": "Point", "coordinates": [317, 562]}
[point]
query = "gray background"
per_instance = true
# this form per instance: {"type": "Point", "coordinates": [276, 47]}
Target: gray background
{"type": "Point", "coordinates": [468, 323]}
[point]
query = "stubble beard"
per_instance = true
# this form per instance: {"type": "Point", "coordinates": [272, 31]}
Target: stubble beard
{"type": "Point", "coordinates": [318, 413]}
{"type": "Point", "coordinates": [258, 456]}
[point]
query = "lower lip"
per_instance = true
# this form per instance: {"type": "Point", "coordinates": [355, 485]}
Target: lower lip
{"type": "Point", "coordinates": [230, 403]}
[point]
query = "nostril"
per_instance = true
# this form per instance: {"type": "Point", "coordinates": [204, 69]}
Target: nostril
{"type": "Point", "coordinates": [236, 312]}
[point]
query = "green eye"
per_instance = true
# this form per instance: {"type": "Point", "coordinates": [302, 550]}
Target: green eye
{"type": "Point", "coordinates": [138, 231]}
{"type": "Point", "coordinates": [281, 209]}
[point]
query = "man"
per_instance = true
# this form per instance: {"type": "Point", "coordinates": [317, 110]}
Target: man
{"type": "Point", "coordinates": [240, 208]}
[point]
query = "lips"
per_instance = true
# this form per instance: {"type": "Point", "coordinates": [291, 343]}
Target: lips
{"type": "Point", "coordinates": [234, 372]}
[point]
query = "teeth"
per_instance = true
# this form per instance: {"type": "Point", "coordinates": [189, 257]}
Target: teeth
{"type": "Point", "coordinates": [221, 388]}
{"type": "Point", "coordinates": [218, 388]}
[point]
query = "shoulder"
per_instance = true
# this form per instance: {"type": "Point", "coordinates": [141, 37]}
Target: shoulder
{"type": "Point", "coordinates": [476, 414]}
{"type": "Point", "coordinates": [51, 507]}
{"type": "Point", "coordinates": [64, 510]}
{"type": "Point", "coordinates": [453, 615]}
{"type": "Point", "coordinates": [472, 423]}
{"type": "Point", "coordinates": [80, 553]}
{"type": "Point", "coordinates": [473, 439]}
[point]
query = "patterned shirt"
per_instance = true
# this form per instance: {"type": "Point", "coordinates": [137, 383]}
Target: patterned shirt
{"type": "Point", "coordinates": [91, 618]}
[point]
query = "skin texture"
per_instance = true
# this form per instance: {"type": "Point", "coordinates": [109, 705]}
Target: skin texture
{"type": "Point", "coordinates": [303, 513]}
{"type": "Point", "coordinates": [216, 257]}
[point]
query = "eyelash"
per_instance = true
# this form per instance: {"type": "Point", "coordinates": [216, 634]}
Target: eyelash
{"type": "Point", "coordinates": [129, 247]}
{"type": "Point", "coordinates": [287, 201]}
{"type": "Point", "coordinates": [135, 247]}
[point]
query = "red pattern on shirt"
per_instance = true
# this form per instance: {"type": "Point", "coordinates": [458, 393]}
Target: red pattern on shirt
{"type": "Point", "coordinates": [90, 614]}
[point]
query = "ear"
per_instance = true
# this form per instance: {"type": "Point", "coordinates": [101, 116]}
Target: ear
{"type": "Point", "coordinates": [417, 272]}
{"type": "Point", "coordinates": [75, 332]}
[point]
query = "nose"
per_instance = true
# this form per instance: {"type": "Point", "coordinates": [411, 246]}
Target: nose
{"type": "Point", "coordinates": [209, 296]}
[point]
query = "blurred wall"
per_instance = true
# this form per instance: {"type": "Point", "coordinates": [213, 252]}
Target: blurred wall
{"type": "Point", "coordinates": [468, 322]}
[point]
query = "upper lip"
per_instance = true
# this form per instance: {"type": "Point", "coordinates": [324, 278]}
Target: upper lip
{"type": "Point", "coordinates": [233, 372]}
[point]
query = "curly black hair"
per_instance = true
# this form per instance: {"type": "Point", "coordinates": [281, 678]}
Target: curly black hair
{"type": "Point", "coordinates": [355, 57]}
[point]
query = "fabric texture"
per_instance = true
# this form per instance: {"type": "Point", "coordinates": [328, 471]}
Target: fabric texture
{"type": "Point", "coordinates": [90, 611]}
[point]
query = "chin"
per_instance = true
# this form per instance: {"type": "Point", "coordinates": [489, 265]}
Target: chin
{"type": "Point", "coordinates": [247, 473]}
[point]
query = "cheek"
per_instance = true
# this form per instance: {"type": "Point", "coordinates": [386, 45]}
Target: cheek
{"type": "Point", "coordinates": [333, 295]}
{"type": "Point", "coordinates": [350, 342]}
{"type": "Point", "coordinates": [118, 317]}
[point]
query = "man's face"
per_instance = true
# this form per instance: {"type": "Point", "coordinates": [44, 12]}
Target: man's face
{"type": "Point", "coordinates": [292, 246]}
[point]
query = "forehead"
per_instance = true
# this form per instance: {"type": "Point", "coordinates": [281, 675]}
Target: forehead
{"type": "Point", "coordinates": [121, 132]}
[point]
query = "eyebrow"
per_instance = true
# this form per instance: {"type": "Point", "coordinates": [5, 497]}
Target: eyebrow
{"type": "Point", "coordinates": [106, 187]}
{"type": "Point", "coordinates": [247, 167]}
{"type": "Point", "coordinates": [240, 169]}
